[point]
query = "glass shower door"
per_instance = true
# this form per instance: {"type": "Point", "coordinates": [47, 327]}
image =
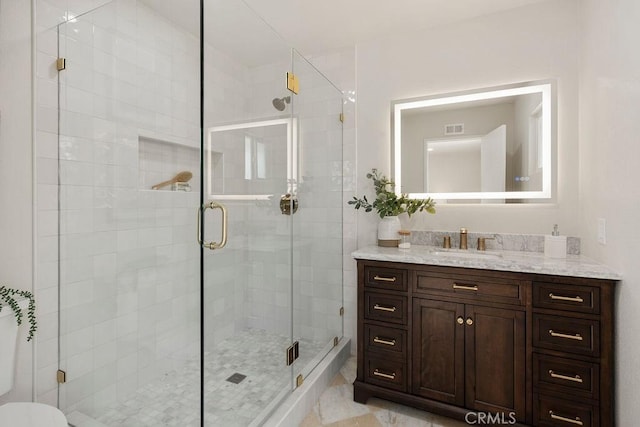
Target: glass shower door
{"type": "Point", "coordinates": [247, 282]}
{"type": "Point", "coordinates": [129, 262]}
{"type": "Point", "coordinates": [249, 147]}
{"type": "Point", "coordinates": [317, 227]}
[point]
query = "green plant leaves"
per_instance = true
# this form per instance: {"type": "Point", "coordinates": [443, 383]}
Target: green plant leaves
{"type": "Point", "coordinates": [387, 202]}
{"type": "Point", "coordinates": [8, 297]}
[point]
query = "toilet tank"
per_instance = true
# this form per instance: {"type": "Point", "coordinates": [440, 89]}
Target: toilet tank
{"type": "Point", "coordinates": [8, 344]}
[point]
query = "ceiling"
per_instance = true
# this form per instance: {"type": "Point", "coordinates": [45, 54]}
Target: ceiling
{"type": "Point", "coordinates": [317, 26]}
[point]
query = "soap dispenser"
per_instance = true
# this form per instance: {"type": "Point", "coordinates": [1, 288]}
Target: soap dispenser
{"type": "Point", "coordinates": [555, 245]}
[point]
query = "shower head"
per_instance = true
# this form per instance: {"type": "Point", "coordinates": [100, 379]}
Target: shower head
{"type": "Point", "coordinates": [281, 103]}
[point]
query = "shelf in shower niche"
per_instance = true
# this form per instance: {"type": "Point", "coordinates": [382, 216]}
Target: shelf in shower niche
{"type": "Point", "coordinates": [161, 160]}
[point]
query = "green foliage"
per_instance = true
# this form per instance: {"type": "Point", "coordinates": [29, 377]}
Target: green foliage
{"type": "Point", "coordinates": [8, 297]}
{"type": "Point", "coordinates": [387, 202]}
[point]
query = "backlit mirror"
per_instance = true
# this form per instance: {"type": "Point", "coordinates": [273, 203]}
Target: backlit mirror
{"type": "Point", "coordinates": [485, 146]}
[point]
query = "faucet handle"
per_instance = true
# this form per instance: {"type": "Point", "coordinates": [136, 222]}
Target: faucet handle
{"type": "Point", "coordinates": [482, 243]}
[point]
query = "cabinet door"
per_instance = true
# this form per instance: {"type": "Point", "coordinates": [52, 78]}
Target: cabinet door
{"type": "Point", "coordinates": [438, 350]}
{"type": "Point", "coordinates": [495, 360]}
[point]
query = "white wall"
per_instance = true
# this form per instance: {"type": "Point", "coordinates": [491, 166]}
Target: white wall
{"type": "Point", "coordinates": [15, 168]}
{"type": "Point", "coordinates": [530, 43]}
{"type": "Point", "coordinates": [609, 174]}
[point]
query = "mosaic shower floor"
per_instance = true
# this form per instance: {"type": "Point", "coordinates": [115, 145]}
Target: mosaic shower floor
{"type": "Point", "coordinates": [174, 400]}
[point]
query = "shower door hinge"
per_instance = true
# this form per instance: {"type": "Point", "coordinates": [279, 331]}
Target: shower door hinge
{"type": "Point", "coordinates": [335, 341]}
{"type": "Point", "coordinates": [299, 380]}
{"type": "Point", "coordinates": [61, 64]}
{"type": "Point", "coordinates": [61, 376]}
{"type": "Point", "coordinates": [292, 83]}
{"type": "Point", "coordinates": [341, 311]}
{"type": "Point", "coordinates": [342, 117]}
{"type": "Point", "coordinates": [292, 353]}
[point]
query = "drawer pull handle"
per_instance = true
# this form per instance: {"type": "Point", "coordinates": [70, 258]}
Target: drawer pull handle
{"type": "Point", "coordinates": [383, 308]}
{"type": "Point", "coordinates": [466, 288]}
{"type": "Point", "coordinates": [384, 279]}
{"type": "Point", "coordinates": [383, 341]}
{"type": "Point", "coordinates": [383, 375]}
{"type": "Point", "coordinates": [563, 298]}
{"type": "Point", "coordinates": [576, 337]}
{"type": "Point", "coordinates": [576, 379]}
{"type": "Point", "coordinates": [575, 421]}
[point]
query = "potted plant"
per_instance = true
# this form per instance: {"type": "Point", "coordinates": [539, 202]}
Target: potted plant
{"type": "Point", "coordinates": [389, 205]}
{"type": "Point", "coordinates": [9, 298]}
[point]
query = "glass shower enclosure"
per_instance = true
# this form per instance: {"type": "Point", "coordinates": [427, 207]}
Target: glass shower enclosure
{"type": "Point", "coordinates": [200, 215]}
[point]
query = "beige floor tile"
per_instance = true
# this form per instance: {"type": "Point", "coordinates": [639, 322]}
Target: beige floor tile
{"type": "Point", "coordinates": [336, 404]}
{"type": "Point", "coordinates": [368, 420]}
{"type": "Point", "coordinates": [338, 380]}
{"type": "Point", "coordinates": [350, 369]}
{"type": "Point", "coordinates": [311, 420]}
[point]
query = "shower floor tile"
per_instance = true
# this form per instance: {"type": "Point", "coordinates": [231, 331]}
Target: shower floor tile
{"type": "Point", "coordinates": [174, 400]}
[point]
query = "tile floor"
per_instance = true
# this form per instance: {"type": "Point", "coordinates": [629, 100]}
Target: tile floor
{"type": "Point", "coordinates": [336, 408]}
{"type": "Point", "coordinates": [174, 399]}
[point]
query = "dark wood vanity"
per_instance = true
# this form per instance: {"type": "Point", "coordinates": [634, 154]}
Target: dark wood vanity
{"type": "Point", "coordinates": [536, 348]}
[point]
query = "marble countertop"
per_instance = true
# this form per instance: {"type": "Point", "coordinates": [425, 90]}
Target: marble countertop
{"type": "Point", "coordinates": [515, 261]}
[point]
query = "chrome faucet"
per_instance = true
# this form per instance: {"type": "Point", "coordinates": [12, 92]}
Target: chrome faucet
{"type": "Point", "coordinates": [463, 238]}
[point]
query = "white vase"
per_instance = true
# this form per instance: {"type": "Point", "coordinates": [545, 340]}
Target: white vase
{"type": "Point", "coordinates": [388, 228]}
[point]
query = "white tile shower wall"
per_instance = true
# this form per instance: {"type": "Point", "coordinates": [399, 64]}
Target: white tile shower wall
{"type": "Point", "coordinates": [129, 278]}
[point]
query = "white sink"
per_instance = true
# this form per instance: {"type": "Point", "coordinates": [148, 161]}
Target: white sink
{"type": "Point", "coordinates": [469, 254]}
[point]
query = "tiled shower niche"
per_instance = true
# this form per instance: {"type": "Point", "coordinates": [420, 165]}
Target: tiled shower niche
{"type": "Point", "coordinates": [161, 160]}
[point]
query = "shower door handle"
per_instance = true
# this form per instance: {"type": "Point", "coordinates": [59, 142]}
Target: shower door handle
{"type": "Point", "coordinates": [223, 239]}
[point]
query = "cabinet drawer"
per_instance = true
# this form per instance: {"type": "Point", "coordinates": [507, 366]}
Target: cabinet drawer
{"type": "Point", "coordinates": [390, 341]}
{"type": "Point", "coordinates": [385, 278]}
{"type": "Point", "coordinates": [481, 288]}
{"type": "Point", "coordinates": [386, 373]}
{"type": "Point", "coordinates": [566, 375]}
{"type": "Point", "coordinates": [386, 308]}
{"type": "Point", "coordinates": [551, 411]}
{"type": "Point", "coordinates": [579, 336]}
{"type": "Point", "coordinates": [584, 299]}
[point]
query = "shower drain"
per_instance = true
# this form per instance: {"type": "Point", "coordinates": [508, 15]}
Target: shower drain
{"type": "Point", "coordinates": [236, 378]}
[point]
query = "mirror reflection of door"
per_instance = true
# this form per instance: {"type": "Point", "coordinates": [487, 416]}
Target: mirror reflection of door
{"type": "Point", "coordinates": [452, 165]}
{"type": "Point", "coordinates": [493, 161]}
{"type": "Point", "coordinates": [466, 164]}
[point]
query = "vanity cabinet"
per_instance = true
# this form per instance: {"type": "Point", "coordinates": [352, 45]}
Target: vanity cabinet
{"type": "Point", "coordinates": [530, 347]}
{"type": "Point", "coordinates": [470, 356]}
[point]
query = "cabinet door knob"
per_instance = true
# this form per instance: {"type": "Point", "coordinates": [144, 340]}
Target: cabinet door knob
{"type": "Point", "coordinates": [469, 321]}
{"type": "Point", "coordinates": [460, 320]}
